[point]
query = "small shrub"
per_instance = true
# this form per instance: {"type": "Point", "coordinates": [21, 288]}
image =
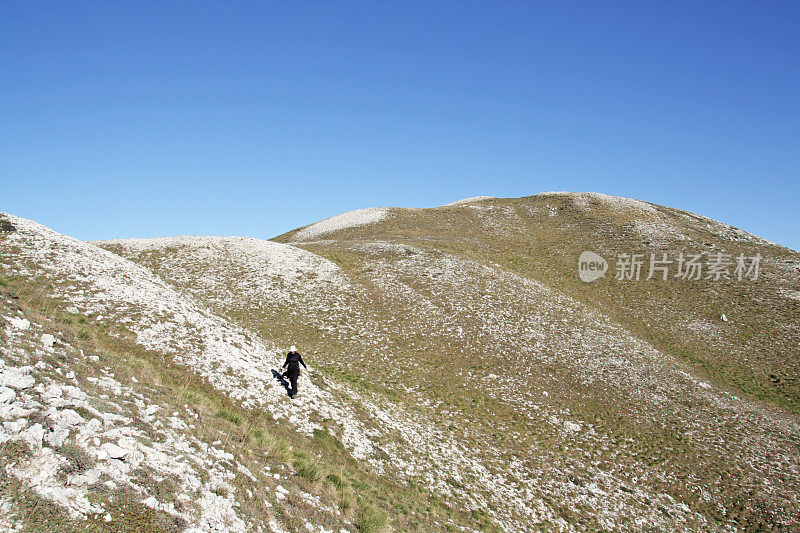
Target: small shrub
{"type": "Point", "coordinates": [164, 491]}
{"type": "Point", "coordinates": [230, 416]}
{"type": "Point", "coordinates": [6, 226]}
{"type": "Point", "coordinates": [345, 499]}
{"type": "Point", "coordinates": [257, 436]}
{"type": "Point", "coordinates": [308, 469]}
{"type": "Point", "coordinates": [13, 450]}
{"type": "Point", "coordinates": [41, 514]}
{"type": "Point", "coordinates": [78, 460]}
{"type": "Point", "coordinates": [38, 417]}
{"type": "Point", "coordinates": [369, 519]}
{"type": "Point", "coordinates": [335, 480]}
{"type": "Point", "coordinates": [129, 514]}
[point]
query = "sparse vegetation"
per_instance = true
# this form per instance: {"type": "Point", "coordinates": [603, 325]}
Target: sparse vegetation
{"type": "Point", "coordinates": [169, 384]}
{"type": "Point", "coordinates": [465, 351]}
{"type": "Point", "coordinates": [77, 459]}
{"type": "Point", "coordinates": [369, 519]}
{"type": "Point", "coordinates": [230, 416]}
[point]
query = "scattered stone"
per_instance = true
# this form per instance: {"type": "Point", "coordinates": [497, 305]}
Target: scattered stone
{"type": "Point", "coordinates": [6, 395]}
{"type": "Point", "coordinates": [33, 436]}
{"type": "Point", "coordinates": [84, 479]}
{"type": "Point", "coordinates": [19, 323]}
{"type": "Point", "coordinates": [109, 450]}
{"type": "Point", "coordinates": [68, 418]}
{"type": "Point", "coordinates": [14, 378]}
{"type": "Point", "coordinates": [52, 391]}
{"type": "Point", "coordinates": [56, 437]}
{"type": "Point", "coordinates": [15, 426]}
{"type": "Point", "coordinates": [48, 340]}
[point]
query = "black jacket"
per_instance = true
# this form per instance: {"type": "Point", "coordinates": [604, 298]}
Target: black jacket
{"type": "Point", "coordinates": [293, 362]}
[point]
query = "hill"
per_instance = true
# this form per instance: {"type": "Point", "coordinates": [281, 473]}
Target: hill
{"type": "Point", "coordinates": [463, 376]}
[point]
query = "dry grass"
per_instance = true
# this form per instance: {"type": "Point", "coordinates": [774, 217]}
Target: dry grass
{"type": "Point", "coordinates": [319, 465]}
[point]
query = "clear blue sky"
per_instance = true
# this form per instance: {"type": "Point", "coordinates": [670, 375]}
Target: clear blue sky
{"type": "Point", "coordinates": [140, 119]}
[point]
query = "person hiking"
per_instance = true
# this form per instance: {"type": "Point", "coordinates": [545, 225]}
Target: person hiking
{"type": "Point", "coordinates": [292, 364]}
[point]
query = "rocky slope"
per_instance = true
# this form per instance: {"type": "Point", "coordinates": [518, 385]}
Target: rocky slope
{"type": "Point", "coordinates": [463, 377]}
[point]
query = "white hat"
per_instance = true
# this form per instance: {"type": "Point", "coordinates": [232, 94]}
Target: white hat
{"type": "Point", "coordinates": [293, 348]}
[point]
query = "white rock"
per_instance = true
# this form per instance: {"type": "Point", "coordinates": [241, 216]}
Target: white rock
{"type": "Point", "coordinates": [17, 380]}
{"type": "Point", "coordinates": [109, 450]}
{"type": "Point", "coordinates": [68, 418]}
{"type": "Point", "coordinates": [15, 426]}
{"type": "Point", "coordinates": [177, 423]}
{"type": "Point", "coordinates": [469, 200]}
{"type": "Point", "coordinates": [33, 436]}
{"type": "Point", "coordinates": [48, 340]}
{"type": "Point", "coordinates": [359, 217]}
{"type": "Point", "coordinates": [13, 410]}
{"type": "Point", "coordinates": [93, 426]}
{"type": "Point", "coordinates": [53, 391]}
{"type": "Point", "coordinates": [6, 395]}
{"type": "Point", "coordinates": [56, 437]}
{"type": "Point", "coordinates": [88, 477]}
{"type": "Point", "coordinates": [19, 323]}
{"type": "Point", "coordinates": [107, 517]}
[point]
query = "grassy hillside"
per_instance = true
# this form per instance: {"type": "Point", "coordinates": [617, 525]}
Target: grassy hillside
{"type": "Point", "coordinates": [582, 394]}
{"type": "Point", "coordinates": [193, 456]}
{"type": "Point", "coordinates": [456, 357]}
{"type": "Point", "coordinates": [540, 237]}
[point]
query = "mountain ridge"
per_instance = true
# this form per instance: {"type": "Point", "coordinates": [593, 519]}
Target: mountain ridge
{"type": "Point", "coordinates": [545, 400]}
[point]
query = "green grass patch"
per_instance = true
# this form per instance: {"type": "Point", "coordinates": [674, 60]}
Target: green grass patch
{"type": "Point", "coordinates": [229, 415]}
